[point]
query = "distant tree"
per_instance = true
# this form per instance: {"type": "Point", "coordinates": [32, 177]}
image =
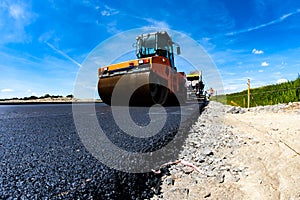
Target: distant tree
{"type": "Point", "coordinates": [70, 96]}
{"type": "Point", "coordinates": [56, 96]}
{"type": "Point", "coordinates": [33, 97]}
{"type": "Point", "coordinates": [46, 96]}
{"type": "Point", "coordinates": [30, 98]}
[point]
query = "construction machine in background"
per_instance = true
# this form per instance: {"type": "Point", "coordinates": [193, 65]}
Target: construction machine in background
{"type": "Point", "coordinates": [195, 87]}
{"type": "Point", "coordinates": [152, 76]}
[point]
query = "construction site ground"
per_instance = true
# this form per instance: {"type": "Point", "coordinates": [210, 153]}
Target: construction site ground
{"type": "Point", "coordinates": [257, 157]}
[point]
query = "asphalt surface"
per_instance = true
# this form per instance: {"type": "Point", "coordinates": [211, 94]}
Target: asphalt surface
{"type": "Point", "coordinates": [43, 157]}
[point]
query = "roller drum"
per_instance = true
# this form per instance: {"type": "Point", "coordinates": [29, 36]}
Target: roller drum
{"type": "Point", "coordinates": [148, 89]}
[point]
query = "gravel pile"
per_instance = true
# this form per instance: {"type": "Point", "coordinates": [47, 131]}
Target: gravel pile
{"type": "Point", "coordinates": [287, 107]}
{"type": "Point", "coordinates": [209, 145]}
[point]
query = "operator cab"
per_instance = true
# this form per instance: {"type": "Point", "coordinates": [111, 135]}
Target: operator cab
{"type": "Point", "coordinates": [156, 44]}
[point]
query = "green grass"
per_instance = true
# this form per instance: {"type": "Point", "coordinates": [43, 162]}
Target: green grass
{"type": "Point", "coordinates": [266, 95]}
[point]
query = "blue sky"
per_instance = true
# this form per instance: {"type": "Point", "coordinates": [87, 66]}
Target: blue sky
{"type": "Point", "coordinates": [44, 43]}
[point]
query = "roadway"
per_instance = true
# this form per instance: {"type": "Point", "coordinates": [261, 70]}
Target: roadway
{"type": "Point", "coordinates": [43, 156]}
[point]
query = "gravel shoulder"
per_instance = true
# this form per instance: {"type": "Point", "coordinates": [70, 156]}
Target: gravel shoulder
{"type": "Point", "coordinates": [239, 154]}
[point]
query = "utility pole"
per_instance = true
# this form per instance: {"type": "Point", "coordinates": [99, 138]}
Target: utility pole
{"type": "Point", "coordinates": [248, 93]}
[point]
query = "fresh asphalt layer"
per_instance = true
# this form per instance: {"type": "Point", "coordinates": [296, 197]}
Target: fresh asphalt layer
{"type": "Point", "coordinates": [43, 157]}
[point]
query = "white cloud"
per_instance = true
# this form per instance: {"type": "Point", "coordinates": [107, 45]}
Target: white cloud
{"type": "Point", "coordinates": [17, 11]}
{"type": "Point", "coordinates": [231, 88]}
{"type": "Point", "coordinates": [260, 71]}
{"type": "Point", "coordinates": [14, 19]}
{"type": "Point", "coordinates": [282, 80]}
{"type": "Point", "coordinates": [207, 43]}
{"type": "Point", "coordinates": [7, 90]}
{"type": "Point", "coordinates": [157, 24]}
{"type": "Point", "coordinates": [105, 13]}
{"type": "Point", "coordinates": [108, 11]}
{"type": "Point", "coordinates": [47, 36]}
{"type": "Point", "coordinates": [63, 54]}
{"type": "Point", "coordinates": [31, 93]}
{"type": "Point", "coordinates": [112, 28]}
{"type": "Point", "coordinates": [61, 74]}
{"type": "Point", "coordinates": [255, 51]}
{"type": "Point", "coordinates": [276, 21]}
{"type": "Point", "coordinates": [265, 64]}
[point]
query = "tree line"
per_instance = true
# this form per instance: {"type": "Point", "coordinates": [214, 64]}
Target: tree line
{"type": "Point", "coordinates": [266, 95]}
{"type": "Point", "coordinates": [35, 97]}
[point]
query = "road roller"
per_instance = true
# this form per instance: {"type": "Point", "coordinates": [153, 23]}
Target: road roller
{"type": "Point", "coordinates": [150, 79]}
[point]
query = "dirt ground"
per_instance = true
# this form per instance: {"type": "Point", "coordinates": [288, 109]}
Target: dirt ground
{"type": "Point", "coordinates": [270, 154]}
{"type": "Point", "coordinates": [268, 157]}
